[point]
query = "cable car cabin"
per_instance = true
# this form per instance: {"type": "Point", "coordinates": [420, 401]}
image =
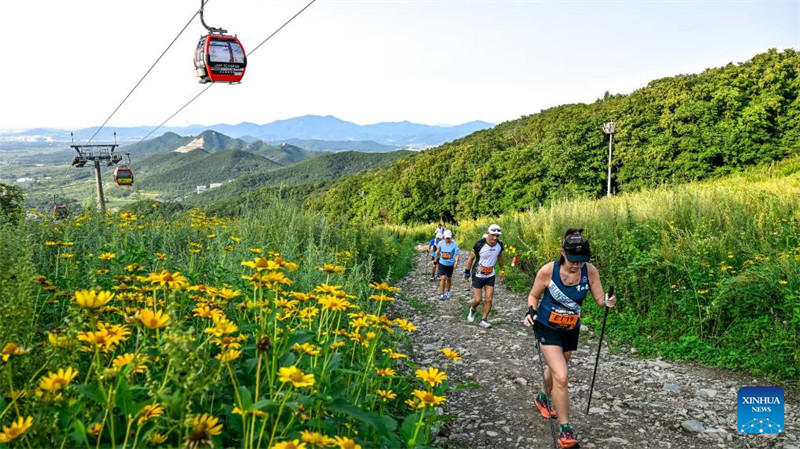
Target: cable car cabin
{"type": "Point", "coordinates": [219, 58]}
{"type": "Point", "coordinates": [60, 211]}
{"type": "Point", "coordinates": [123, 176]}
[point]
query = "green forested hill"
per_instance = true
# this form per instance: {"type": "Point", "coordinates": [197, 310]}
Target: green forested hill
{"type": "Point", "coordinates": [215, 167]}
{"type": "Point", "coordinates": [212, 141]}
{"type": "Point", "coordinates": [676, 129]}
{"type": "Point", "coordinates": [314, 172]}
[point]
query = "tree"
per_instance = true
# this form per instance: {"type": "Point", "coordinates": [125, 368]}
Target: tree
{"type": "Point", "coordinates": [11, 201]}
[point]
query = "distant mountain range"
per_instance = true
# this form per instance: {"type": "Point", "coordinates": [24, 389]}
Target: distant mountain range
{"type": "Point", "coordinates": [305, 128]}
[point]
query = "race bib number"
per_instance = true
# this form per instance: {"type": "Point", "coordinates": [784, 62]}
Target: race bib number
{"type": "Point", "coordinates": [446, 256]}
{"type": "Point", "coordinates": [486, 270]}
{"type": "Point", "coordinates": [564, 320]}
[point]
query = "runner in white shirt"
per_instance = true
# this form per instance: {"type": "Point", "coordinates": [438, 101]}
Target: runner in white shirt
{"type": "Point", "coordinates": [489, 252]}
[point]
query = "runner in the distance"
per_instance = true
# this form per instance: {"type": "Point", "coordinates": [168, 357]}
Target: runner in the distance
{"type": "Point", "coordinates": [564, 284]}
{"type": "Point", "coordinates": [447, 254]}
{"type": "Point", "coordinates": [488, 252]}
{"type": "Point", "coordinates": [432, 249]}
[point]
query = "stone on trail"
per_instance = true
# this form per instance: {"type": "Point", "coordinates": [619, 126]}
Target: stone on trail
{"type": "Point", "coordinates": [672, 387]}
{"type": "Point", "coordinates": [707, 392]}
{"type": "Point", "coordinates": [693, 425]}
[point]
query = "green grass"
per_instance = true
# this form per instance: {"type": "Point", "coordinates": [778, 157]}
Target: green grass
{"type": "Point", "coordinates": [421, 306]}
{"type": "Point", "coordinates": [707, 271]}
{"type": "Point", "coordinates": [185, 374]}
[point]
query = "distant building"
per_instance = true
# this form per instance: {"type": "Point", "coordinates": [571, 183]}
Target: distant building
{"type": "Point", "coordinates": [201, 189]}
{"type": "Point", "coordinates": [214, 185]}
{"type": "Point", "coordinates": [25, 179]}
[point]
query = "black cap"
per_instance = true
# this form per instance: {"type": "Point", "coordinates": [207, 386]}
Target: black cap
{"type": "Point", "coordinates": [577, 248]}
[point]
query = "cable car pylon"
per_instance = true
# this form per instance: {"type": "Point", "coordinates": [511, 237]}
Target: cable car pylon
{"type": "Point", "coordinates": [97, 153]}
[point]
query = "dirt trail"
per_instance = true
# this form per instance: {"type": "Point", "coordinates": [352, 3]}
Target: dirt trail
{"type": "Point", "coordinates": [637, 403]}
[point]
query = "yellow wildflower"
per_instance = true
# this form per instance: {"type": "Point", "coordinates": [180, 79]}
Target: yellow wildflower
{"type": "Point", "coordinates": [450, 354]}
{"type": "Point", "coordinates": [334, 303]}
{"type": "Point", "coordinates": [295, 376]}
{"type": "Point", "coordinates": [16, 429]}
{"type": "Point", "coordinates": [149, 411]}
{"type": "Point", "coordinates": [407, 326]}
{"type": "Point", "coordinates": [316, 439]}
{"type": "Point", "coordinates": [153, 320]}
{"type": "Point", "coordinates": [228, 356]}
{"type": "Point", "coordinates": [294, 444]}
{"type": "Point", "coordinates": [124, 360]}
{"type": "Point", "coordinates": [385, 395]}
{"type": "Point", "coordinates": [427, 398]}
{"type": "Point", "coordinates": [156, 438]}
{"type": "Point", "coordinates": [12, 349]}
{"type": "Point", "coordinates": [346, 443]}
{"type": "Point", "coordinates": [56, 381]}
{"type": "Point", "coordinates": [330, 268]}
{"type": "Point", "coordinates": [306, 348]}
{"type": "Point", "coordinates": [385, 371]}
{"type": "Point", "coordinates": [90, 299]}
{"type": "Point", "coordinates": [384, 287]}
{"type": "Point", "coordinates": [433, 376]}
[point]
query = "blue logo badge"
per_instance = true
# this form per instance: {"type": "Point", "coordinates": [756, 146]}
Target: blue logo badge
{"type": "Point", "coordinates": [760, 410]}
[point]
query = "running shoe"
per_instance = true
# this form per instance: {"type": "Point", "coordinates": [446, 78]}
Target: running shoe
{"type": "Point", "coordinates": [567, 439]}
{"type": "Point", "coordinates": [471, 316]}
{"type": "Point", "coordinates": [485, 323]}
{"type": "Point", "coordinates": [542, 404]}
{"type": "Point", "coordinates": [449, 295]}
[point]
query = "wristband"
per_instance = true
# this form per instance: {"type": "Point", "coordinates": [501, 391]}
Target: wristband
{"type": "Point", "coordinates": [531, 312]}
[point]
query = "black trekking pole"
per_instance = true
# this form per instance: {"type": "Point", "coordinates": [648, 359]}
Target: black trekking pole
{"type": "Point", "coordinates": [599, 345]}
{"type": "Point", "coordinates": [544, 382]}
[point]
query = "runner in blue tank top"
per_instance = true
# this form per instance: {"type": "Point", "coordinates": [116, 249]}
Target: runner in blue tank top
{"type": "Point", "coordinates": [554, 307]}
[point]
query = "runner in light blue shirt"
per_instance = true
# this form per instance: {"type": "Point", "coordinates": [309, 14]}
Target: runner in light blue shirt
{"type": "Point", "coordinates": [447, 254]}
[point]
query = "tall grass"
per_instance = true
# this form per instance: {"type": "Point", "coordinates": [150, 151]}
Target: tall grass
{"type": "Point", "coordinates": [271, 351]}
{"type": "Point", "coordinates": [707, 271]}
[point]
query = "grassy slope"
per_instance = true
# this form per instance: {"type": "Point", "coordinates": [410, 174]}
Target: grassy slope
{"type": "Point", "coordinates": [706, 271]}
{"type": "Point", "coordinates": [315, 171]}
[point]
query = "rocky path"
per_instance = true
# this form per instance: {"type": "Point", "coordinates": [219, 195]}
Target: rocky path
{"type": "Point", "coordinates": [637, 403]}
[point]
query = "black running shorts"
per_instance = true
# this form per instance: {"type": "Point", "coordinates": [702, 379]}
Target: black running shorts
{"type": "Point", "coordinates": [446, 270]}
{"type": "Point", "coordinates": [482, 282]}
{"type": "Point", "coordinates": [568, 340]}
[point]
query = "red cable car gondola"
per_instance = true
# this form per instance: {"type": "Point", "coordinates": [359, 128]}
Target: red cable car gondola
{"type": "Point", "coordinates": [60, 210]}
{"type": "Point", "coordinates": [218, 56]}
{"type": "Point", "coordinates": [123, 176]}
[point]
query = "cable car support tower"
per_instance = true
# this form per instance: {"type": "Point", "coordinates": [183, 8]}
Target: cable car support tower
{"type": "Point", "coordinates": [97, 153]}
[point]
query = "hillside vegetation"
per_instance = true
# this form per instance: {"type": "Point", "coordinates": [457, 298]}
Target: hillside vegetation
{"type": "Point", "coordinates": [260, 188]}
{"type": "Point", "coordinates": [195, 170]}
{"type": "Point", "coordinates": [706, 271]}
{"type": "Point", "coordinates": [674, 130]}
{"type": "Point", "coordinates": [128, 330]}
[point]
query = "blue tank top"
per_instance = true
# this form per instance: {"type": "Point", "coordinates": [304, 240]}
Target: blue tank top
{"type": "Point", "coordinates": [561, 305]}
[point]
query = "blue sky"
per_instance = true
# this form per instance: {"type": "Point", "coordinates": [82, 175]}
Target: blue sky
{"type": "Point", "coordinates": [435, 62]}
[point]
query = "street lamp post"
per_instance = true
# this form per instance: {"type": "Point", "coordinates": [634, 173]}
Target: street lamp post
{"type": "Point", "coordinates": [609, 128]}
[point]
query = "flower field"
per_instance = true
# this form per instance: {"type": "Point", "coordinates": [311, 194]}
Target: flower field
{"type": "Point", "coordinates": [266, 331]}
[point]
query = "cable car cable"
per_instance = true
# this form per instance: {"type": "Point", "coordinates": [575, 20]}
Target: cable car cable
{"type": "Point", "coordinates": [147, 73]}
{"type": "Point", "coordinates": [211, 84]}
{"type": "Point", "coordinates": [176, 113]}
{"type": "Point", "coordinates": [276, 31]}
